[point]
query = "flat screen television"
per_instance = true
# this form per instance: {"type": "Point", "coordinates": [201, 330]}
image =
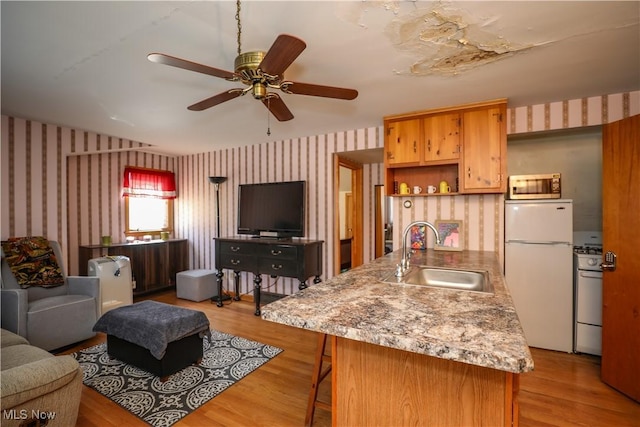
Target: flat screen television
{"type": "Point", "coordinates": [272, 210]}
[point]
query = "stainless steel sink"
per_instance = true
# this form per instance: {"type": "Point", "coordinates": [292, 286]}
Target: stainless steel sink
{"type": "Point", "coordinates": [462, 280]}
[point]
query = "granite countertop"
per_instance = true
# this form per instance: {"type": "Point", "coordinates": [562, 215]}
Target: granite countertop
{"type": "Point", "coordinates": [470, 327]}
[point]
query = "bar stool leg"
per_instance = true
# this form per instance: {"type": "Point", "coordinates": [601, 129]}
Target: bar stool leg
{"type": "Point", "coordinates": [316, 378]}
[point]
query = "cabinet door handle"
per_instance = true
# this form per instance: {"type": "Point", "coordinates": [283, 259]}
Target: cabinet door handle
{"type": "Point", "coordinates": [415, 147]}
{"type": "Point", "coordinates": [469, 172]}
{"type": "Point", "coordinates": [276, 267]}
{"type": "Point", "coordinates": [429, 145]}
{"type": "Point", "coordinates": [234, 248]}
{"type": "Point", "coordinates": [235, 262]}
{"type": "Point", "coordinates": [275, 252]}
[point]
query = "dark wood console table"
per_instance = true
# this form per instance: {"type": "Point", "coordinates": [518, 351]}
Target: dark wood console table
{"type": "Point", "coordinates": [154, 264]}
{"type": "Point", "coordinates": [297, 258]}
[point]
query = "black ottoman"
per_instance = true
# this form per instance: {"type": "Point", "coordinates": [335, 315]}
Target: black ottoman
{"type": "Point", "coordinates": [160, 338]}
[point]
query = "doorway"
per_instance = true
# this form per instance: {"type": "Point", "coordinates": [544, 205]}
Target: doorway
{"type": "Point", "coordinates": [383, 222]}
{"type": "Point", "coordinates": [349, 215]}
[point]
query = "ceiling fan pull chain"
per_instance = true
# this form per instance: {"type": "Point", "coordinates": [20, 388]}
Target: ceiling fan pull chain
{"type": "Point", "coordinates": [269, 116]}
{"type": "Point", "coordinates": [239, 25]}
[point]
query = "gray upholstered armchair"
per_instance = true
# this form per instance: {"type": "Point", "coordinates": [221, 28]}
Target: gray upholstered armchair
{"type": "Point", "coordinates": [53, 317]}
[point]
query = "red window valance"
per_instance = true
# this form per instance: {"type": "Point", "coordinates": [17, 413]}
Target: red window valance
{"type": "Point", "coordinates": [142, 182]}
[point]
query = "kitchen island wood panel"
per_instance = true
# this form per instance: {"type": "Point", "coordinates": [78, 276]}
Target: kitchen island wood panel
{"type": "Point", "coordinates": [380, 386]}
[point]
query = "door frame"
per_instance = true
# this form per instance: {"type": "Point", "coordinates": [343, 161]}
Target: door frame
{"type": "Point", "coordinates": [357, 254]}
{"type": "Point", "coordinates": [379, 220]}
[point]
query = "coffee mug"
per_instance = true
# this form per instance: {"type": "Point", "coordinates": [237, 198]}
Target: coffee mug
{"type": "Point", "coordinates": [404, 188]}
{"type": "Point", "coordinates": [444, 187]}
{"type": "Point", "coordinates": [431, 189]}
{"type": "Point", "coordinates": [417, 189]}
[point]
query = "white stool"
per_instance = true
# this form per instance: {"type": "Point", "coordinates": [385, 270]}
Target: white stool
{"type": "Point", "coordinates": [196, 285]}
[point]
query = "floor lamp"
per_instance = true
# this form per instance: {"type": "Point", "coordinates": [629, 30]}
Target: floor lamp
{"type": "Point", "coordinates": [216, 181]}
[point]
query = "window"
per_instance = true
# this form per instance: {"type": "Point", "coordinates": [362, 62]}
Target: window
{"type": "Point", "coordinates": [148, 216]}
{"type": "Point", "coordinates": [149, 195]}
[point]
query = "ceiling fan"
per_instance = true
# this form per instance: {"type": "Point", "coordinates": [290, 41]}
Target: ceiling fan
{"type": "Point", "coordinates": [259, 71]}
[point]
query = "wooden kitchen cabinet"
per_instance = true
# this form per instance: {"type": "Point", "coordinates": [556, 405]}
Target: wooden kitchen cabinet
{"type": "Point", "coordinates": [464, 145]}
{"type": "Point", "coordinates": [485, 147]}
{"type": "Point", "coordinates": [403, 142]}
{"type": "Point", "coordinates": [441, 137]}
{"type": "Point", "coordinates": [154, 265]}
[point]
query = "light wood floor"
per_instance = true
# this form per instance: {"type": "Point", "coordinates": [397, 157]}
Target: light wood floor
{"type": "Point", "coordinates": [564, 389]}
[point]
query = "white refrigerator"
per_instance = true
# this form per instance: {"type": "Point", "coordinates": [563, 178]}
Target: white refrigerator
{"type": "Point", "coordinates": [539, 269]}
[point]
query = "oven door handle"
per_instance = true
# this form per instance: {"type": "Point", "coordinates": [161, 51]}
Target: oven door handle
{"type": "Point", "coordinates": [591, 275]}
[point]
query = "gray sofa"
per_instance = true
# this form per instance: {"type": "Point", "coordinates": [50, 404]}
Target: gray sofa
{"type": "Point", "coordinates": [50, 318]}
{"type": "Point", "coordinates": [36, 385]}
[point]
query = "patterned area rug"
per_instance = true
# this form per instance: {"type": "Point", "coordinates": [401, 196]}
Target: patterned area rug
{"type": "Point", "coordinates": [226, 359]}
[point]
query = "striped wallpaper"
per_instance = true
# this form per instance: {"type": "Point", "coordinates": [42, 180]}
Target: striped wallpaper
{"type": "Point", "coordinates": [308, 159]}
{"type": "Point", "coordinates": [482, 216]}
{"type": "Point", "coordinates": [94, 182]}
{"type": "Point", "coordinates": [575, 113]}
{"type": "Point", "coordinates": [65, 183]}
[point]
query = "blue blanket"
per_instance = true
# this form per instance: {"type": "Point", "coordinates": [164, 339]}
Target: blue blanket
{"type": "Point", "coordinates": [153, 325]}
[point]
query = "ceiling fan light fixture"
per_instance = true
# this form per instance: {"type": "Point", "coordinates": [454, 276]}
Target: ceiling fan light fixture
{"type": "Point", "coordinates": [259, 90]}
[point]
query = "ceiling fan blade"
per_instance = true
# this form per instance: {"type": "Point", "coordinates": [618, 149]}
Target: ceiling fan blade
{"type": "Point", "coordinates": [276, 105]}
{"type": "Point", "coordinates": [161, 58]}
{"type": "Point", "coordinates": [318, 90]}
{"type": "Point", "coordinates": [281, 54]}
{"type": "Point", "coordinates": [215, 100]}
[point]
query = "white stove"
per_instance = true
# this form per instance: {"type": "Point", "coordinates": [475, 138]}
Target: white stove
{"type": "Point", "coordinates": [587, 258]}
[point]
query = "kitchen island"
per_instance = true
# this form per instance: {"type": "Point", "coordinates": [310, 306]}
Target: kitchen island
{"type": "Point", "coordinates": [412, 355]}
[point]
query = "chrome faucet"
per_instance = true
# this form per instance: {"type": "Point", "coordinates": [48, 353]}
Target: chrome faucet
{"type": "Point", "coordinates": [404, 261]}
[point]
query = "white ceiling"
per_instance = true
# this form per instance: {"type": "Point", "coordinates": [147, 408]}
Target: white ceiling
{"type": "Point", "coordinates": [84, 65]}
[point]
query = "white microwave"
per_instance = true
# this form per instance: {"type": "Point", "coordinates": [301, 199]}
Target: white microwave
{"type": "Point", "coordinates": [541, 186]}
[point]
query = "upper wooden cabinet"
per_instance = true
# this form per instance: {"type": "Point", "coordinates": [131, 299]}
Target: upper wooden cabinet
{"type": "Point", "coordinates": [464, 145]}
{"type": "Point", "coordinates": [441, 137]}
{"type": "Point", "coordinates": [403, 142]}
{"type": "Point", "coordinates": [484, 163]}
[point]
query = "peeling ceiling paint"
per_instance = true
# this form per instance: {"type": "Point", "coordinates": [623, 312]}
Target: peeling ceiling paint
{"type": "Point", "coordinates": [444, 39]}
{"type": "Point", "coordinates": [448, 41]}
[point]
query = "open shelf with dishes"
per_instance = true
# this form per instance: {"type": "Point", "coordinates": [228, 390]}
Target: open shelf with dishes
{"type": "Point", "coordinates": [422, 176]}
